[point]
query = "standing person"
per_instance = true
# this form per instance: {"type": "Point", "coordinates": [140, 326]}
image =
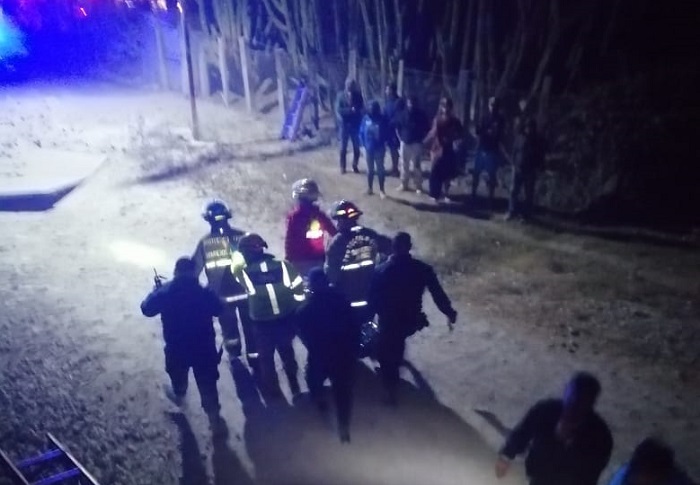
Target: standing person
{"type": "Point", "coordinates": [490, 132]}
{"type": "Point", "coordinates": [307, 228]}
{"type": "Point", "coordinates": [187, 310]}
{"type": "Point", "coordinates": [331, 334]}
{"type": "Point", "coordinates": [567, 442]}
{"type": "Point", "coordinates": [652, 463]}
{"type": "Point", "coordinates": [275, 290]}
{"type": "Point", "coordinates": [349, 107]}
{"type": "Point", "coordinates": [397, 297]}
{"type": "Point", "coordinates": [528, 156]}
{"type": "Point", "coordinates": [413, 126]}
{"type": "Point", "coordinates": [216, 253]}
{"type": "Point", "coordinates": [444, 135]}
{"type": "Point", "coordinates": [373, 136]}
{"type": "Point", "coordinates": [352, 257]}
{"type": "Point", "coordinates": [393, 105]}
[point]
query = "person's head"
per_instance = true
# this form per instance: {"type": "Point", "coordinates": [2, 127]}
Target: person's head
{"type": "Point", "coordinates": [252, 246]}
{"type": "Point", "coordinates": [446, 106]}
{"type": "Point", "coordinates": [305, 191]}
{"type": "Point", "coordinates": [494, 104]}
{"type": "Point", "coordinates": [401, 244]}
{"type": "Point", "coordinates": [345, 214]}
{"type": "Point", "coordinates": [580, 396]}
{"type": "Point", "coordinates": [216, 213]}
{"type": "Point", "coordinates": [375, 110]}
{"type": "Point", "coordinates": [350, 85]}
{"type": "Point", "coordinates": [318, 281]}
{"type": "Point", "coordinates": [652, 463]}
{"type": "Point", "coordinates": [184, 268]}
{"type": "Point", "coordinates": [391, 90]}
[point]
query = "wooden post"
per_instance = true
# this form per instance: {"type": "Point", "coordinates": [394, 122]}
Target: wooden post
{"type": "Point", "coordinates": [399, 79]}
{"type": "Point", "coordinates": [244, 72]}
{"type": "Point", "coordinates": [183, 52]}
{"type": "Point", "coordinates": [281, 83]}
{"type": "Point", "coordinates": [544, 101]}
{"type": "Point", "coordinates": [160, 52]}
{"type": "Point", "coordinates": [223, 68]}
{"type": "Point", "coordinates": [352, 64]}
{"type": "Point", "coordinates": [187, 54]}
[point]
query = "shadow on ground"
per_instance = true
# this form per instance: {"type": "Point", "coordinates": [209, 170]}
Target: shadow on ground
{"type": "Point", "coordinates": [33, 202]}
{"type": "Point", "coordinates": [421, 441]}
{"type": "Point", "coordinates": [226, 465]}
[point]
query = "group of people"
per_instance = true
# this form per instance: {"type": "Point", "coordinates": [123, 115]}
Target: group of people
{"type": "Point", "coordinates": [337, 276]}
{"type": "Point", "coordinates": [402, 128]}
{"type": "Point", "coordinates": [349, 292]}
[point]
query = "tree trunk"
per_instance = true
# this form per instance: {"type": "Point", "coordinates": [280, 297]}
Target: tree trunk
{"type": "Point", "coordinates": [554, 29]}
{"type": "Point", "coordinates": [339, 45]}
{"type": "Point", "coordinates": [382, 40]}
{"type": "Point", "coordinates": [398, 20]}
{"type": "Point", "coordinates": [369, 36]}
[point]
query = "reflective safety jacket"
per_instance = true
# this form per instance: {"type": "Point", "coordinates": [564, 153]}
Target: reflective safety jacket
{"type": "Point", "coordinates": [274, 288]}
{"type": "Point", "coordinates": [351, 259]}
{"type": "Point", "coordinates": [307, 227]}
{"type": "Point", "coordinates": [217, 254]}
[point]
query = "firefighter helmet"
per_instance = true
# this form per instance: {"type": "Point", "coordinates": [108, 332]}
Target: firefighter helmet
{"type": "Point", "coordinates": [251, 243]}
{"type": "Point", "coordinates": [216, 211]}
{"type": "Point", "coordinates": [306, 189]}
{"type": "Point", "coordinates": [345, 209]}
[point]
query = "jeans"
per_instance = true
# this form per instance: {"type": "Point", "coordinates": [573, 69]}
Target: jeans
{"type": "Point", "coordinates": [204, 364]}
{"type": "Point", "coordinates": [411, 154]}
{"type": "Point", "coordinates": [349, 134]}
{"type": "Point", "coordinates": [522, 179]}
{"type": "Point", "coordinates": [375, 162]}
{"type": "Point", "coordinates": [485, 161]}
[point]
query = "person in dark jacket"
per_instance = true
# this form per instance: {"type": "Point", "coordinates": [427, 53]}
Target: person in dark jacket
{"type": "Point", "coordinates": [393, 105]}
{"type": "Point", "coordinates": [446, 132]}
{"type": "Point", "coordinates": [331, 334]}
{"type": "Point", "coordinates": [652, 463]}
{"type": "Point", "coordinates": [187, 310]}
{"type": "Point", "coordinates": [528, 155]}
{"type": "Point", "coordinates": [215, 254]}
{"type": "Point", "coordinates": [349, 107]}
{"type": "Point", "coordinates": [374, 132]}
{"type": "Point", "coordinates": [567, 442]}
{"type": "Point", "coordinates": [490, 132]}
{"type": "Point", "coordinates": [413, 126]}
{"type": "Point", "coordinates": [396, 295]}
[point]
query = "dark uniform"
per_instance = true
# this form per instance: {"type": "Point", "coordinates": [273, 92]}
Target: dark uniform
{"type": "Point", "coordinates": [352, 256]}
{"type": "Point", "coordinates": [528, 156]}
{"type": "Point", "coordinates": [349, 107]}
{"type": "Point", "coordinates": [331, 334]}
{"type": "Point", "coordinates": [187, 312]}
{"type": "Point", "coordinates": [397, 297]}
{"type": "Point", "coordinates": [275, 290]}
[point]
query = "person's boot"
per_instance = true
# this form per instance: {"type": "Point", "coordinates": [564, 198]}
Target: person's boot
{"type": "Point", "coordinates": [217, 425]}
{"type": "Point", "coordinates": [344, 433]}
{"type": "Point", "coordinates": [233, 348]}
{"type": "Point", "coordinates": [294, 386]}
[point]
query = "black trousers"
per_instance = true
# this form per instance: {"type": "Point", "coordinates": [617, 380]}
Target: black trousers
{"type": "Point", "coordinates": [443, 170]}
{"type": "Point", "coordinates": [204, 363]}
{"type": "Point", "coordinates": [391, 346]}
{"type": "Point", "coordinates": [349, 134]}
{"type": "Point", "coordinates": [341, 377]}
{"type": "Point", "coordinates": [229, 319]}
{"type": "Point", "coordinates": [276, 335]}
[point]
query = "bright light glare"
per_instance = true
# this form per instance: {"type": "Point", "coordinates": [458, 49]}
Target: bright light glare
{"type": "Point", "coordinates": [139, 255]}
{"type": "Point", "coordinates": [11, 39]}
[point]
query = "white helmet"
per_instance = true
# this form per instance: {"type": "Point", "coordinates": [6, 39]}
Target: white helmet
{"type": "Point", "coordinates": [306, 189]}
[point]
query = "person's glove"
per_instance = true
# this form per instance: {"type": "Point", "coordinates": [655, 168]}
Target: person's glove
{"type": "Point", "coordinates": [502, 466]}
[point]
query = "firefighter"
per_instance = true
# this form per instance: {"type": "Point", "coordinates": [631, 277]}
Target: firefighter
{"type": "Point", "coordinates": [352, 255]}
{"type": "Point", "coordinates": [187, 310]}
{"type": "Point", "coordinates": [275, 290]}
{"type": "Point", "coordinates": [216, 253]}
{"type": "Point", "coordinates": [307, 228]}
{"type": "Point", "coordinates": [331, 334]}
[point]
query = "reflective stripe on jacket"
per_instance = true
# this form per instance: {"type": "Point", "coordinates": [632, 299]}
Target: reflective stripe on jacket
{"type": "Point", "coordinates": [274, 288]}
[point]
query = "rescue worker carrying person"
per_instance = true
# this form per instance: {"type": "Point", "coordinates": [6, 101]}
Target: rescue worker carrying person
{"type": "Point", "coordinates": [216, 253]}
{"type": "Point", "coordinates": [307, 228]}
{"type": "Point", "coordinates": [352, 255]}
{"type": "Point", "coordinates": [275, 290]}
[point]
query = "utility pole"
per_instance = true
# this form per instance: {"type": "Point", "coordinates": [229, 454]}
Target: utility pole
{"type": "Point", "coordinates": [185, 32]}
